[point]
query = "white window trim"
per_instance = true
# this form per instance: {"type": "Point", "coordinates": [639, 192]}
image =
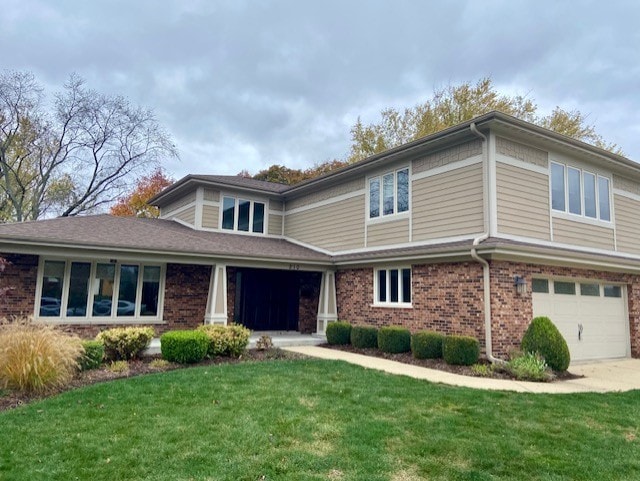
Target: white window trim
{"type": "Point", "coordinates": [388, 303]}
{"type": "Point", "coordinates": [582, 217]}
{"type": "Point", "coordinates": [113, 318]}
{"type": "Point", "coordinates": [395, 215]}
{"type": "Point", "coordinates": [236, 217]}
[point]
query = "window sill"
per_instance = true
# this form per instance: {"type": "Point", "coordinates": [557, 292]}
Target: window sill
{"type": "Point", "coordinates": [582, 219]}
{"type": "Point", "coordinates": [96, 320]}
{"type": "Point", "coordinates": [389, 305]}
{"type": "Point", "coordinates": [389, 217]}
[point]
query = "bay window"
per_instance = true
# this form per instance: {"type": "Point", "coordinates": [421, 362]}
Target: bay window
{"type": "Point", "coordinates": [100, 290]}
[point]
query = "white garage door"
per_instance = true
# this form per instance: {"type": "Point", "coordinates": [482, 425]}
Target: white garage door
{"type": "Point", "coordinates": [591, 316]}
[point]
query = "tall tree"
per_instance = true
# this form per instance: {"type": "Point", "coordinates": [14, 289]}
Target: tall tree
{"type": "Point", "coordinates": [284, 175]}
{"type": "Point", "coordinates": [455, 104]}
{"type": "Point", "coordinates": [135, 204]}
{"type": "Point", "coordinates": [76, 158]}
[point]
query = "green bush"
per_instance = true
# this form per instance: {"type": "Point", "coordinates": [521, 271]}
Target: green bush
{"type": "Point", "coordinates": [339, 333]}
{"type": "Point", "coordinates": [364, 337]}
{"type": "Point", "coordinates": [92, 356]}
{"type": "Point", "coordinates": [184, 347]}
{"type": "Point", "coordinates": [123, 343]}
{"type": "Point", "coordinates": [231, 340]}
{"type": "Point", "coordinates": [460, 350]}
{"type": "Point", "coordinates": [427, 345]}
{"type": "Point", "coordinates": [545, 339]}
{"type": "Point", "coordinates": [529, 367]}
{"type": "Point", "coordinates": [394, 339]}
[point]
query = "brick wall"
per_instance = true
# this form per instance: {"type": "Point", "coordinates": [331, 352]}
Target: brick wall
{"type": "Point", "coordinates": [309, 298]}
{"type": "Point", "coordinates": [186, 293]}
{"type": "Point", "coordinates": [21, 274]}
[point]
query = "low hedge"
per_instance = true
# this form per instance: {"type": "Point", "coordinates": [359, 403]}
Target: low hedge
{"type": "Point", "coordinates": [460, 350]}
{"type": "Point", "coordinates": [338, 333]}
{"type": "Point", "coordinates": [124, 343]}
{"type": "Point", "coordinates": [394, 339]}
{"type": "Point", "coordinates": [93, 355]}
{"type": "Point", "coordinates": [184, 347]}
{"type": "Point", "coordinates": [231, 340]}
{"type": "Point", "coordinates": [427, 345]}
{"type": "Point", "coordinates": [364, 337]}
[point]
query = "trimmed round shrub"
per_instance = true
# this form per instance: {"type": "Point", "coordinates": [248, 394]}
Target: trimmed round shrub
{"type": "Point", "coordinates": [460, 350]}
{"type": "Point", "coordinates": [364, 337]}
{"type": "Point", "coordinates": [339, 333]}
{"type": "Point", "coordinates": [92, 356]}
{"type": "Point", "coordinates": [184, 347]}
{"type": "Point", "coordinates": [427, 345]}
{"type": "Point", "coordinates": [123, 343]}
{"type": "Point", "coordinates": [394, 339]}
{"type": "Point", "coordinates": [543, 337]}
{"type": "Point", "coordinates": [231, 340]}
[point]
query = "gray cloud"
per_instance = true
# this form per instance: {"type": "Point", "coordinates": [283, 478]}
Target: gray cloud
{"type": "Point", "coordinates": [244, 84]}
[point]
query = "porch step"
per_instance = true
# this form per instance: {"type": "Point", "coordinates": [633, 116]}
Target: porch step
{"type": "Point", "coordinates": [279, 339]}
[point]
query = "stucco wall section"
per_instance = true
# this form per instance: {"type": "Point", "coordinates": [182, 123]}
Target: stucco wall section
{"type": "Point", "coordinates": [522, 152]}
{"type": "Point", "coordinates": [447, 156]}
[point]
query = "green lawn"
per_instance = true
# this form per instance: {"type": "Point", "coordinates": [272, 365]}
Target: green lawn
{"type": "Point", "coordinates": [303, 420]}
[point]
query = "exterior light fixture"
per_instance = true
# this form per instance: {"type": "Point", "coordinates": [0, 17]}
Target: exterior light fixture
{"type": "Point", "coordinates": [521, 284]}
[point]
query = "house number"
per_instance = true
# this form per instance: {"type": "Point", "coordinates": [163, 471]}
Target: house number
{"type": "Point", "coordinates": [294, 267]}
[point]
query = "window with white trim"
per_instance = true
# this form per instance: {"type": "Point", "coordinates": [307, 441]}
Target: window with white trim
{"type": "Point", "coordinates": [99, 289]}
{"type": "Point", "coordinates": [389, 193]}
{"type": "Point", "coordinates": [392, 286]}
{"type": "Point", "coordinates": [242, 215]}
{"type": "Point", "coordinates": [580, 192]}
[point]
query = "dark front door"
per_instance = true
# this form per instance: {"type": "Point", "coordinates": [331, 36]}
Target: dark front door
{"type": "Point", "coordinates": [267, 300]}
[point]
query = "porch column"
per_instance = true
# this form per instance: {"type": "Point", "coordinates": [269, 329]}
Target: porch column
{"type": "Point", "coordinates": [327, 305]}
{"type": "Point", "coordinates": [217, 302]}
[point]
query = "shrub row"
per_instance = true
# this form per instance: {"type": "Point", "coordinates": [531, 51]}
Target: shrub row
{"type": "Point", "coordinates": [186, 347]}
{"type": "Point", "coordinates": [462, 350]}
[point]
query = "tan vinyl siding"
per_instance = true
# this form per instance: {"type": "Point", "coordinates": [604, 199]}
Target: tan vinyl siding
{"type": "Point", "coordinates": [336, 226]}
{"type": "Point", "coordinates": [582, 234]}
{"type": "Point", "coordinates": [212, 195]}
{"type": "Point", "coordinates": [388, 233]}
{"type": "Point", "coordinates": [210, 216]}
{"type": "Point", "coordinates": [523, 202]}
{"type": "Point", "coordinates": [448, 204]}
{"type": "Point", "coordinates": [627, 224]}
{"type": "Point", "coordinates": [275, 224]}
{"type": "Point", "coordinates": [187, 215]}
{"type": "Point", "coordinates": [276, 205]}
{"type": "Point", "coordinates": [327, 193]}
{"type": "Point", "coordinates": [181, 202]}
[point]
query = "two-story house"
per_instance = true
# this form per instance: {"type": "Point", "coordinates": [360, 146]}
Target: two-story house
{"type": "Point", "coordinates": [473, 230]}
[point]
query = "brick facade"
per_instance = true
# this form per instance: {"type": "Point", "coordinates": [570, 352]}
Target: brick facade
{"type": "Point", "coordinates": [448, 298]}
{"type": "Point", "coordinates": [21, 275]}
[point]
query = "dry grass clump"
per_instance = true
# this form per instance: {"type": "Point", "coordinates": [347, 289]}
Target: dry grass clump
{"type": "Point", "coordinates": [36, 357]}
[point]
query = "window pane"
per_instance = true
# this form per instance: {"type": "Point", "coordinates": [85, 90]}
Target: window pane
{"type": "Point", "coordinates": [406, 285]}
{"type": "Point", "coordinates": [540, 285]}
{"type": "Point", "coordinates": [575, 195]}
{"type": "Point", "coordinates": [387, 194]}
{"type": "Point", "coordinates": [564, 287]}
{"type": "Point", "coordinates": [590, 290]}
{"type": "Point", "coordinates": [51, 298]}
{"type": "Point", "coordinates": [243, 215]}
{"type": "Point", "coordinates": [589, 195]}
{"type": "Point", "coordinates": [612, 291]}
{"type": "Point", "coordinates": [78, 289]}
{"type": "Point", "coordinates": [258, 217]}
{"type": "Point", "coordinates": [403, 190]}
{"type": "Point", "coordinates": [603, 196]}
{"type": "Point", "coordinates": [557, 187]}
{"type": "Point", "coordinates": [228, 212]}
{"type": "Point", "coordinates": [374, 197]}
{"type": "Point", "coordinates": [393, 285]}
{"type": "Point", "coordinates": [127, 291]}
{"type": "Point", "coordinates": [382, 286]}
{"type": "Point", "coordinates": [103, 289]}
{"type": "Point", "coordinates": [150, 291]}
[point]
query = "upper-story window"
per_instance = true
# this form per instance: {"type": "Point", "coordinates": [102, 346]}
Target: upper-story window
{"type": "Point", "coordinates": [580, 192]}
{"type": "Point", "coordinates": [389, 193]}
{"type": "Point", "coordinates": [242, 215]}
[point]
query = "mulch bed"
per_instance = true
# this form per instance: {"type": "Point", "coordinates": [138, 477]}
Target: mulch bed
{"type": "Point", "coordinates": [12, 399]}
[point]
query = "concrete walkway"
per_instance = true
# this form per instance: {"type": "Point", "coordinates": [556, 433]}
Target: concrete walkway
{"type": "Point", "coordinates": [605, 376]}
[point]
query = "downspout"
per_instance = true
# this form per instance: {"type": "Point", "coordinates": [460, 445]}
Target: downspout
{"type": "Point", "coordinates": [486, 281]}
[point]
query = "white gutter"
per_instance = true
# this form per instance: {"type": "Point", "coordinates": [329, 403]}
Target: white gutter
{"type": "Point", "coordinates": [486, 277]}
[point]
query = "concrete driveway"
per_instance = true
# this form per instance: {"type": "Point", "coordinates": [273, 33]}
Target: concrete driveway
{"type": "Point", "coordinates": [606, 376]}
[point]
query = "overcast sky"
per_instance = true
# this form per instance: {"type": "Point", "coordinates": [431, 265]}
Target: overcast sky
{"type": "Point", "coordinates": [246, 84]}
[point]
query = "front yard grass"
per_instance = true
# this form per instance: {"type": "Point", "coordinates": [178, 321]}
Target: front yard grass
{"type": "Point", "coordinates": [316, 420]}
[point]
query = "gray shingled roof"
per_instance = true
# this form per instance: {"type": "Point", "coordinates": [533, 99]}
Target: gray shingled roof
{"type": "Point", "coordinates": [106, 231]}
